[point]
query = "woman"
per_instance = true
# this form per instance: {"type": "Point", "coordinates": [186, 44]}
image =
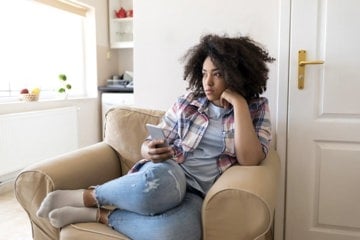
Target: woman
{"type": "Point", "coordinates": [219, 122]}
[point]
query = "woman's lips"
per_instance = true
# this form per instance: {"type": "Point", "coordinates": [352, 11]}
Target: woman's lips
{"type": "Point", "coordinates": [209, 91]}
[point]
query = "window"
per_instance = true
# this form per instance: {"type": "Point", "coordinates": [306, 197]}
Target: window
{"type": "Point", "coordinates": [38, 43]}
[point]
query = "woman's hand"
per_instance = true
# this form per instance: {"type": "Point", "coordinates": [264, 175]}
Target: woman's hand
{"type": "Point", "coordinates": [155, 151]}
{"type": "Point", "coordinates": [229, 97]}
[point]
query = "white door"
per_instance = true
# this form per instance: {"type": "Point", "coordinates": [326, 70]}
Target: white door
{"type": "Point", "coordinates": [323, 170]}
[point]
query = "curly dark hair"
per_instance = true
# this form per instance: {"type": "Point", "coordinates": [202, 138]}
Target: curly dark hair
{"type": "Point", "coordinates": [241, 60]}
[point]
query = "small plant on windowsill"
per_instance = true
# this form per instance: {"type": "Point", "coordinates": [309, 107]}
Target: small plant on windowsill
{"type": "Point", "coordinates": [65, 86]}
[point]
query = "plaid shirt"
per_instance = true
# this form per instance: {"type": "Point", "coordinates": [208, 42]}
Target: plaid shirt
{"type": "Point", "coordinates": [185, 123]}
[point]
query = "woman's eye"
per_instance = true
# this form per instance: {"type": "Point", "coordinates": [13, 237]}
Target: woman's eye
{"type": "Point", "coordinates": [217, 74]}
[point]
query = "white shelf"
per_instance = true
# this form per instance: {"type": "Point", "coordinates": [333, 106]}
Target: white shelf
{"type": "Point", "coordinates": [127, 19]}
{"type": "Point", "coordinates": [120, 29]}
{"type": "Point", "coordinates": [122, 44]}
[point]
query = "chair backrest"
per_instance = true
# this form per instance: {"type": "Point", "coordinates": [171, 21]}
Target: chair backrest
{"type": "Point", "coordinates": [125, 131]}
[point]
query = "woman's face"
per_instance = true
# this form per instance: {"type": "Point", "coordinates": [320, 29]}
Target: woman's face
{"type": "Point", "coordinates": [213, 81]}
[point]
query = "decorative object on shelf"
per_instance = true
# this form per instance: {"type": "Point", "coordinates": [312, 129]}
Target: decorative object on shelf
{"type": "Point", "coordinates": [30, 96]}
{"type": "Point", "coordinates": [121, 13]}
{"type": "Point", "coordinates": [130, 13]}
{"type": "Point", "coordinates": [65, 86]}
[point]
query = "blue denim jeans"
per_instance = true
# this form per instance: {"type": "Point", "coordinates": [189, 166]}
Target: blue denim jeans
{"type": "Point", "coordinates": [153, 204]}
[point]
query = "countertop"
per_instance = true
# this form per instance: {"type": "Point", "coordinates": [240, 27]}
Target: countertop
{"type": "Point", "coordinates": [115, 89]}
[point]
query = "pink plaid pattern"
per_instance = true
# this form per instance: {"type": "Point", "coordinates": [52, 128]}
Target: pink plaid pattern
{"type": "Point", "coordinates": [185, 123]}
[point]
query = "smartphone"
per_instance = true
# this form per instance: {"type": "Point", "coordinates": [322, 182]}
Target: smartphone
{"type": "Point", "coordinates": [156, 133]}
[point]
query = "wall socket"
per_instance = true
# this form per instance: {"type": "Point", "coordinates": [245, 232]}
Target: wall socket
{"type": "Point", "coordinates": [108, 55]}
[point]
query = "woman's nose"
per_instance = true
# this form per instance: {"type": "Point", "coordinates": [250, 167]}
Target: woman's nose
{"type": "Point", "coordinates": [209, 81]}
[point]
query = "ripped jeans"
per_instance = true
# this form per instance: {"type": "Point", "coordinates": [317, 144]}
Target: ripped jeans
{"type": "Point", "coordinates": [152, 204]}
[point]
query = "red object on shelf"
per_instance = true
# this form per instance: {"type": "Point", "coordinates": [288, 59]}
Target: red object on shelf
{"type": "Point", "coordinates": [121, 13]}
{"type": "Point", "coordinates": [130, 13]}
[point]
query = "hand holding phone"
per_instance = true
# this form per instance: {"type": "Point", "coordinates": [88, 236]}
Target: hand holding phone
{"type": "Point", "coordinates": [156, 133]}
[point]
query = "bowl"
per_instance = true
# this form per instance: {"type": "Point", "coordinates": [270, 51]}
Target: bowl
{"type": "Point", "coordinates": [30, 97]}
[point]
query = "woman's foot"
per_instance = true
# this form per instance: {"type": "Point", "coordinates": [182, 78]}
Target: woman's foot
{"type": "Point", "coordinates": [59, 199]}
{"type": "Point", "coordinates": [66, 215]}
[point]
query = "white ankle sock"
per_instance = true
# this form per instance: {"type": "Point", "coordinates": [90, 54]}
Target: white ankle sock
{"type": "Point", "coordinates": [59, 199]}
{"type": "Point", "coordinates": [66, 215]}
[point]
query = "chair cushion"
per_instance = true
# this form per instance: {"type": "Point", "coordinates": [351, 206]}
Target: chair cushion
{"type": "Point", "coordinates": [125, 131]}
{"type": "Point", "coordinates": [90, 231]}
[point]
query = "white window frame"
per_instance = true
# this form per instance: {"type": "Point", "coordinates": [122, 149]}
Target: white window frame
{"type": "Point", "coordinates": [90, 82]}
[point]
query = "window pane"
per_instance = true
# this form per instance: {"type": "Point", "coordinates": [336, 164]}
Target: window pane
{"type": "Point", "coordinates": [38, 43]}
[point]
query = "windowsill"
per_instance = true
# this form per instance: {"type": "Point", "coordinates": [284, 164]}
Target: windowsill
{"type": "Point", "coordinates": [22, 106]}
{"type": "Point", "coordinates": [14, 100]}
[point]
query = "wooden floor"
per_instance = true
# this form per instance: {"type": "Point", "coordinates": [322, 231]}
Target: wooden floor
{"type": "Point", "coordinates": [14, 224]}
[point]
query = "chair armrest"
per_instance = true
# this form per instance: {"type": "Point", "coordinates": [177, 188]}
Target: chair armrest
{"type": "Point", "coordinates": [81, 168]}
{"type": "Point", "coordinates": [241, 203]}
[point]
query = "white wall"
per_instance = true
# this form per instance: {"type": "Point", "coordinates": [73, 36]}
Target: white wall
{"type": "Point", "coordinates": [164, 30]}
{"type": "Point", "coordinates": [107, 59]}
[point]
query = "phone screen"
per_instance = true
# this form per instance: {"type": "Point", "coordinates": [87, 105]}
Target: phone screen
{"type": "Point", "coordinates": [156, 132]}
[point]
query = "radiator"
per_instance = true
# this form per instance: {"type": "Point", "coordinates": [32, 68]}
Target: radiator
{"type": "Point", "coordinates": [29, 137]}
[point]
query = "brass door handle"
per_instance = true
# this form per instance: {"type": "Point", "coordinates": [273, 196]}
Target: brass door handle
{"type": "Point", "coordinates": [302, 63]}
{"type": "Point", "coordinates": [301, 67]}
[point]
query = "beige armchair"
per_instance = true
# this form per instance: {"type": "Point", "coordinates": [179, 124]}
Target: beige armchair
{"type": "Point", "coordinates": [243, 198]}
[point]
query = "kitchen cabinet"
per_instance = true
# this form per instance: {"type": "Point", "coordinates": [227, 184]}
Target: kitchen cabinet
{"type": "Point", "coordinates": [121, 23]}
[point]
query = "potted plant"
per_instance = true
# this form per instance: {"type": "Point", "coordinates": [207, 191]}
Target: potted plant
{"type": "Point", "coordinates": [65, 86]}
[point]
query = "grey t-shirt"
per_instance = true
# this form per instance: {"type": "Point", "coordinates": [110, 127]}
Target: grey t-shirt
{"type": "Point", "coordinates": [200, 165]}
